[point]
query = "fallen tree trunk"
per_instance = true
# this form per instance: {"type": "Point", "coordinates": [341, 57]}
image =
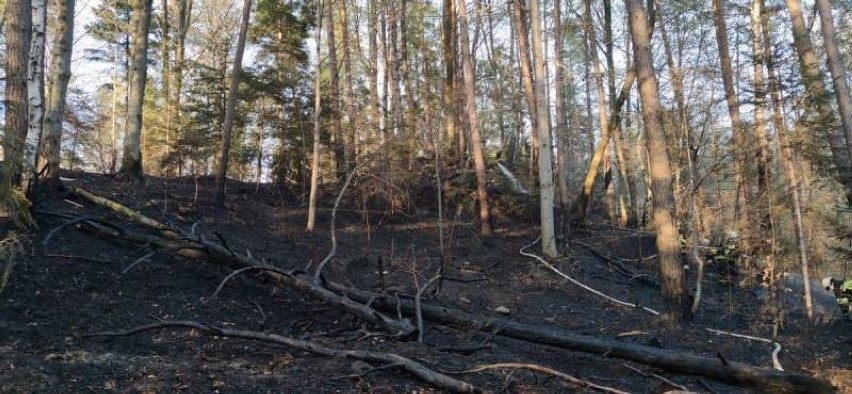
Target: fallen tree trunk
{"type": "Point", "coordinates": [355, 301]}
{"type": "Point", "coordinates": [730, 372]}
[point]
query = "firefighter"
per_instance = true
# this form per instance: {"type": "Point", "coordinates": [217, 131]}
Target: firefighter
{"type": "Point", "coordinates": [842, 289]}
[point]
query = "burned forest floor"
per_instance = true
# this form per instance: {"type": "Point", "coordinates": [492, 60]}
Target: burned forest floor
{"type": "Point", "coordinates": [79, 284]}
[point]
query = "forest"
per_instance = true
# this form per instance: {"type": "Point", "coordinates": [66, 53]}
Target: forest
{"type": "Point", "coordinates": [426, 196]}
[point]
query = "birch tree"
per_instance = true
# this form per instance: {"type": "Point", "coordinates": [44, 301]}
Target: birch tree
{"type": "Point", "coordinates": [35, 97]}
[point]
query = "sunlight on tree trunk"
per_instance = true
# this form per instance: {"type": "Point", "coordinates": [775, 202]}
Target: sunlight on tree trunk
{"type": "Point", "coordinates": [35, 99]}
{"type": "Point", "coordinates": [475, 138]}
{"type": "Point", "coordinates": [315, 158]}
{"type": "Point", "coordinates": [668, 249]}
{"type": "Point", "coordinates": [738, 147]}
{"type": "Point", "coordinates": [17, 36]}
{"type": "Point", "coordinates": [818, 96]}
{"type": "Point", "coordinates": [60, 68]}
{"type": "Point", "coordinates": [140, 22]}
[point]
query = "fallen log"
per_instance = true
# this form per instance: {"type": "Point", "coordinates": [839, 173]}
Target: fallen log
{"type": "Point", "coordinates": [729, 372]}
{"type": "Point", "coordinates": [355, 301]}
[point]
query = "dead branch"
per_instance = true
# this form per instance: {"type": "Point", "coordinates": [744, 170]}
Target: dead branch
{"type": "Point", "coordinates": [139, 260]}
{"type": "Point", "coordinates": [333, 250]}
{"type": "Point", "coordinates": [729, 372]}
{"type": "Point", "coordinates": [353, 301]}
{"type": "Point", "coordinates": [423, 373]}
{"type": "Point", "coordinates": [543, 369]}
{"type": "Point", "coordinates": [200, 248]}
{"type": "Point", "coordinates": [578, 283]}
{"type": "Point", "coordinates": [619, 266]}
{"type": "Point", "coordinates": [775, 350]}
{"type": "Point", "coordinates": [658, 377]}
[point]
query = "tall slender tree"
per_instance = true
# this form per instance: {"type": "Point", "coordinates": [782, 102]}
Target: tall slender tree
{"type": "Point", "coordinates": [17, 32]}
{"type": "Point", "coordinates": [672, 281]}
{"type": "Point", "coordinates": [812, 77]}
{"type": "Point", "coordinates": [230, 107]}
{"type": "Point", "coordinates": [545, 150]}
{"type": "Point", "coordinates": [741, 159]}
{"type": "Point", "coordinates": [60, 66]}
{"type": "Point", "coordinates": [838, 72]}
{"type": "Point", "coordinates": [473, 122]}
{"type": "Point", "coordinates": [35, 97]}
{"type": "Point", "coordinates": [140, 22]}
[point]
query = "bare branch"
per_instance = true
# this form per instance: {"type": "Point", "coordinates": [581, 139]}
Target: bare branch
{"type": "Point", "coordinates": [432, 377]}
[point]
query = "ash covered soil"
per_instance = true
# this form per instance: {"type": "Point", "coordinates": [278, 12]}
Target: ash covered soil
{"type": "Point", "coordinates": [75, 285]}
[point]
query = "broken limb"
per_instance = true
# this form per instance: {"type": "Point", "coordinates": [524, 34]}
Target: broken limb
{"type": "Point", "coordinates": [427, 375]}
{"type": "Point", "coordinates": [776, 346]}
{"type": "Point", "coordinates": [333, 250]}
{"type": "Point", "coordinates": [543, 369]}
{"type": "Point", "coordinates": [729, 372]}
{"type": "Point", "coordinates": [218, 254]}
{"type": "Point", "coordinates": [578, 283]}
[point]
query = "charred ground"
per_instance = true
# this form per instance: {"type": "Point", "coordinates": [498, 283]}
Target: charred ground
{"type": "Point", "coordinates": [75, 286]}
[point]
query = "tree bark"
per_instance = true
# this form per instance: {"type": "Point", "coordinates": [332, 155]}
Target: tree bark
{"type": "Point", "coordinates": [838, 74]}
{"type": "Point", "coordinates": [140, 23]}
{"type": "Point", "coordinates": [741, 159]}
{"type": "Point", "coordinates": [17, 34]}
{"type": "Point", "coordinates": [522, 34]}
{"type": "Point", "coordinates": [729, 372]}
{"type": "Point", "coordinates": [448, 48]}
{"type": "Point", "coordinates": [668, 249]}
{"type": "Point", "coordinates": [785, 155]}
{"type": "Point", "coordinates": [819, 97]}
{"type": "Point", "coordinates": [475, 138]}
{"type": "Point", "coordinates": [545, 151]}
{"type": "Point", "coordinates": [230, 107]}
{"type": "Point", "coordinates": [60, 66]}
{"type": "Point", "coordinates": [315, 159]}
{"type": "Point", "coordinates": [35, 99]}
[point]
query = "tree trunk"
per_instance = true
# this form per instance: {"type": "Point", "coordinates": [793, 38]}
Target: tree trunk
{"type": "Point", "coordinates": [668, 249]}
{"type": "Point", "coordinates": [560, 124]}
{"type": "Point", "coordinates": [545, 151]}
{"type": "Point", "coordinates": [818, 96]}
{"type": "Point", "coordinates": [475, 138]}
{"type": "Point", "coordinates": [140, 23]}
{"type": "Point", "coordinates": [351, 117]}
{"type": "Point", "coordinates": [334, 92]}
{"type": "Point", "coordinates": [35, 98]}
{"type": "Point", "coordinates": [60, 66]}
{"type": "Point", "coordinates": [522, 34]}
{"type": "Point", "coordinates": [838, 76]}
{"type": "Point", "coordinates": [315, 158]}
{"type": "Point", "coordinates": [448, 47]}
{"type": "Point", "coordinates": [741, 159]}
{"type": "Point", "coordinates": [230, 107]}
{"type": "Point", "coordinates": [17, 34]}
{"type": "Point", "coordinates": [785, 155]}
